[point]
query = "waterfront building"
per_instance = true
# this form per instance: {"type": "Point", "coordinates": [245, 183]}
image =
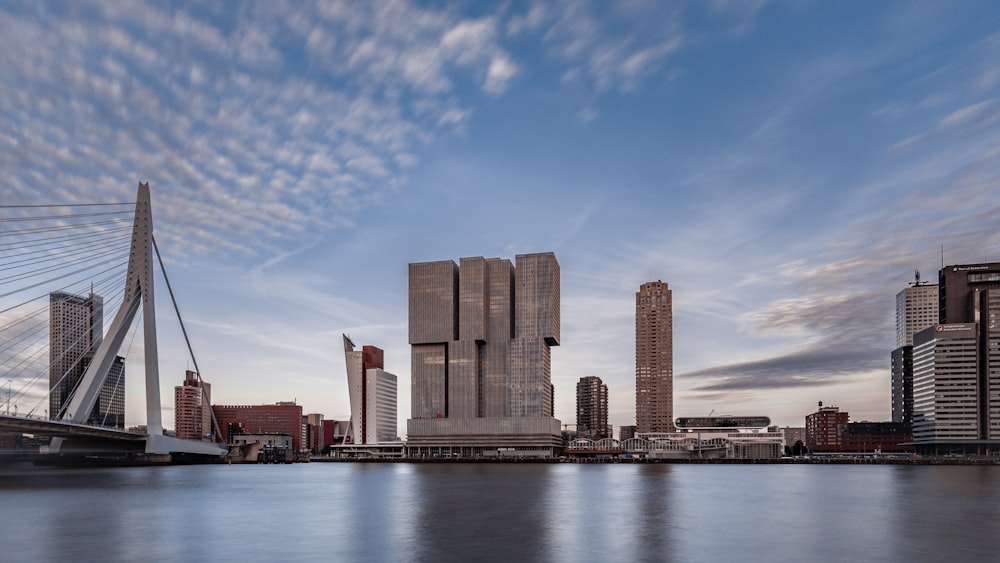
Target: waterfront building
{"type": "Point", "coordinates": [710, 437]}
{"type": "Point", "coordinates": [956, 365]}
{"type": "Point", "coordinates": [192, 408]}
{"type": "Point", "coordinates": [626, 431]}
{"type": "Point", "coordinates": [280, 418]}
{"type": "Point", "coordinates": [76, 329]}
{"type": "Point", "coordinates": [654, 358]}
{"type": "Point", "coordinates": [313, 423]}
{"type": "Point", "coordinates": [480, 334]}
{"type": "Point", "coordinates": [592, 408]}
{"type": "Point", "coordinates": [916, 309]}
{"type": "Point", "coordinates": [829, 430]}
{"type": "Point", "coordinates": [825, 427]}
{"type": "Point", "coordinates": [335, 431]}
{"type": "Point", "coordinates": [372, 392]}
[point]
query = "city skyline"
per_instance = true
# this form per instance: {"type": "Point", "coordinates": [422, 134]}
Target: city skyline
{"type": "Point", "coordinates": [784, 167]}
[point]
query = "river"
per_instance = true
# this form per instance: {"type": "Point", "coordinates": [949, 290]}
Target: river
{"type": "Point", "coordinates": [501, 512]}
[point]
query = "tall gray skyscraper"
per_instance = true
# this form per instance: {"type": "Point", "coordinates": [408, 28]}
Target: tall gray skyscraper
{"type": "Point", "coordinates": [480, 334]}
{"type": "Point", "coordinates": [956, 365]}
{"type": "Point", "coordinates": [76, 328]}
{"type": "Point", "coordinates": [916, 309]}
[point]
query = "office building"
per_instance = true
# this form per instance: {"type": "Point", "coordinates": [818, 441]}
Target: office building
{"type": "Point", "coordinates": [956, 365]}
{"type": "Point", "coordinates": [282, 418]}
{"type": "Point", "coordinates": [480, 334]}
{"type": "Point", "coordinates": [654, 358]}
{"type": "Point", "coordinates": [76, 329]}
{"type": "Point", "coordinates": [824, 427]}
{"type": "Point", "coordinates": [592, 408]}
{"type": "Point", "coordinates": [372, 392]}
{"type": "Point", "coordinates": [829, 431]}
{"type": "Point", "coordinates": [193, 408]}
{"type": "Point", "coordinates": [916, 309]}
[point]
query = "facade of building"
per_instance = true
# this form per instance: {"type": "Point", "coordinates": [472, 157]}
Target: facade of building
{"type": "Point", "coordinates": [372, 392]}
{"type": "Point", "coordinates": [716, 437]}
{"type": "Point", "coordinates": [916, 309]}
{"type": "Point", "coordinates": [76, 329]}
{"type": "Point", "coordinates": [314, 432]}
{"type": "Point", "coordinates": [193, 408]}
{"type": "Point", "coordinates": [824, 428]}
{"type": "Point", "coordinates": [956, 365]}
{"type": "Point", "coordinates": [283, 418]}
{"type": "Point", "coordinates": [480, 334]}
{"type": "Point", "coordinates": [592, 408]}
{"type": "Point", "coordinates": [626, 431]}
{"type": "Point", "coordinates": [654, 358]}
{"type": "Point", "coordinates": [828, 430]}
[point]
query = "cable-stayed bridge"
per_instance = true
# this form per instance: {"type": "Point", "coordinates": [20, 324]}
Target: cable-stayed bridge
{"type": "Point", "coordinates": [64, 269]}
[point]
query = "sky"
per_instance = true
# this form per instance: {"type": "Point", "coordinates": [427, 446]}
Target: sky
{"type": "Point", "coordinates": [783, 166]}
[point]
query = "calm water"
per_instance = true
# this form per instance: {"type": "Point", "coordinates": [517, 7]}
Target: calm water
{"type": "Point", "coordinates": [402, 512]}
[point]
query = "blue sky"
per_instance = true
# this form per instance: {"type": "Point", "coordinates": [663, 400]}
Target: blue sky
{"type": "Point", "coordinates": [784, 166]}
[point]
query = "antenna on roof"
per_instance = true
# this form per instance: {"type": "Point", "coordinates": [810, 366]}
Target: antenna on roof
{"type": "Point", "coordinates": [942, 256]}
{"type": "Point", "coordinates": [916, 277]}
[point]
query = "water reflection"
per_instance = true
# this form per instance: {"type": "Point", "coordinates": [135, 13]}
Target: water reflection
{"type": "Point", "coordinates": [502, 512]}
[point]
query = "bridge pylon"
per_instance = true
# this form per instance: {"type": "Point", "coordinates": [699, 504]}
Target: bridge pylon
{"type": "Point", "coordinates": [138, 292]}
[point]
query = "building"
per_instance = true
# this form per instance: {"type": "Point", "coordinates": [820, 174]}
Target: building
{"type": "Point", "coordinates": [824, 428]}
{"type": "Point", "coordinates": [76, 329]}
{"type": "Point", "coordinates": [372, 392]}
{"type": "Point", "coordinates": [654, 358]}
{"type": "Point", "coordinates": [313, 423]}
{"type": "Point", "coordinates": [916, 309]}
{"type": "Point", "coordinates": [284, 418]}
{"type": "Point", "coordinates": [710, 437]}
{"type": "Point", "coordinates": [956, 365]}
{"type": "Point", "coordinates": [626, 432]}
{"type": "Point", "coordinates": [592, 408]}
{"type": "Point", "coordinates": [193, 408]}
{"type": "Point", "coordinates": [480, 334]}
{"type": "Point", "coordinates": [335, 431]}
{"type": "Point", "coordinates": [829, 430]}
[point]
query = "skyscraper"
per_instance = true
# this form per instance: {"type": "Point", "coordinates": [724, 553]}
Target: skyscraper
{"type": "Point", "coordinates": [592, 408]}
{"type": "Point", "coordinates": [480, 335]}
{"type": "Point", "coordinates": [193, 408]}
{"type": "Point", "coordinates": [76, 328]}
{"type": "Point", "coordinates": [956, 364]}
{"type": "Point", "coordinates": [916, 309]}
{"type": "Point", "coordinates": [654, 358]}
{"type": "Point", "coordinates": [372, 392]}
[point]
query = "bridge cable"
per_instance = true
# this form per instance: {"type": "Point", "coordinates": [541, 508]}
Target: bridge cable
{"type": "Point", "coordinates": [215, 423]}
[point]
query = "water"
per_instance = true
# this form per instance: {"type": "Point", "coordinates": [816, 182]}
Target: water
{"type": "Point", "coordinates": [484, 512]}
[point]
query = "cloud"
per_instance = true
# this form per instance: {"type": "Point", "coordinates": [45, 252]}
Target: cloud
{"type": "Point", "coordinates": [245, 143]}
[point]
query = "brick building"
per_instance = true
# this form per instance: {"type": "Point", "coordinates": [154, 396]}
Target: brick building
{"type": "Point", "coordinates": [280, 418]}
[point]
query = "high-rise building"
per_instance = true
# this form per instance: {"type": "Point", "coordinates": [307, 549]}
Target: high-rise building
{"type": "Point", "coordinates": [480, 334]}
{"type": "Point", "coordinates": [76, 329]}
{"type": "Point", "coordinates": [592, 408]}
{"type": "Point", "coordinates": [372, 392]}
{"type": "Point", "coordinates": [956, 365]}
{"type": "Point", "coordinates": [193, 408]}
{"type": "Point", "coordinates": [654, 358]}
{"type": "Point", "coordinates": [916, 309]}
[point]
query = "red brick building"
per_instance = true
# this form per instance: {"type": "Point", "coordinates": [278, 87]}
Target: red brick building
{"type": "Point", "coordinates": [824, 429]}
{"type": "Point", "coordinates": [279, 418]}
{"type": "Point", "coordinates": [828, 431]}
